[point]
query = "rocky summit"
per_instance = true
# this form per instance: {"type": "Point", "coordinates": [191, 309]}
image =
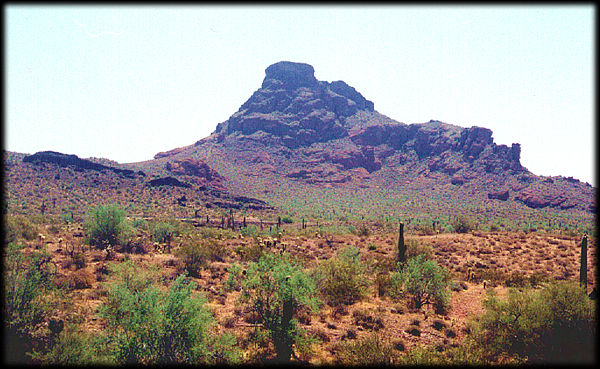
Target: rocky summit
{"type": "Point", "coordinates": [296, 108]}
{"type": "Point", "coordinates": [307, 145]}
{"type": "Point", "coordinates": [296, 129]}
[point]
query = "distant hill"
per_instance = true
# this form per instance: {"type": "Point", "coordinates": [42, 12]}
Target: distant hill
{"type": "Point", "coordinates": [297, 138]}
{"type": "Point", "coordinates": [320, 147]}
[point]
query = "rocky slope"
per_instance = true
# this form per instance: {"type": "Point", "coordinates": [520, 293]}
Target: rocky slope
{"type": "Point", "coordinates": [296, 128]}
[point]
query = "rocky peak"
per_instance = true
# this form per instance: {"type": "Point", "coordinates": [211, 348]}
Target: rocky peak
{"type": "Point", "coordinates": [295, 108]}
{"type": "Point", "coordinates": [289, 76]}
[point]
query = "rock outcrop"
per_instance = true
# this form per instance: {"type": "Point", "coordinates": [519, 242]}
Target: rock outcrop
{"type": "Point", "coordinates": [296, 108]}
{"type": "Point", "coordinates": [327, 133]}
{"type": "Point", "coordinates": [66, 160]}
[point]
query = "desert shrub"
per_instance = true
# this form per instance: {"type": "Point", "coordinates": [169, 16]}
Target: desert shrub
{"type": "Point", "coordinates": [74, 347]}
{"type": "Point", "coordinates": [196, 253]}
{"type": "Point", "coordinates": [425, 280]}
{"type": "Point", "coordinates": [367, 319]}
{"type": "Point", "coordinates": [67, 218]}
{"type": "Point", "coordinates": [251, 231]}
{"type": "Point", "coordinates": [363, 231]}
{"type": "Point", "coordinates": [461, 224]}
{"type": "Point", "coordinates": [234, 276]}
{"type": "Point", "coordinates": [150, 326]}
{"type": "Point", "coordinates": [341, 279]}
{"type": "Point", "coordinates": [553, 325]}
{"type": "Point", "coordinates": [416, 247]}
{"type": "Point", "coordinates": [370, 350]}
{"type": "Point", "coordinates": [276, 287]}
{"type": "Point", "coordinates": [163, 232]}
{"type": "Point", "coordinates": [27, 284]}
{"type": "Point", "coordinates": [287, 220]}
{"type": "Point", "coordinates": [106, 225]}
{"type": "Point", "coordinates": [19, 228]}
{"type": "Point", "coordinates": [78, 260]}
{"type": "Point", "coordinates": [465, 354]}
{"type": "Point", "coordinates": [139, 224]}
{"type": "Point", "coordinates": [383, 283]}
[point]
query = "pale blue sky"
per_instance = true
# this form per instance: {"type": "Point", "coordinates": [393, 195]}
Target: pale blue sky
{"type": "Point", "coordinates": [125, 82]}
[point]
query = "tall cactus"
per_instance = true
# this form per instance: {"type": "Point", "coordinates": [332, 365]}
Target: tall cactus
{"type": "Point", "coordinates": [401, 245]}
{"type": "Point", "coordinates": [583, 267]}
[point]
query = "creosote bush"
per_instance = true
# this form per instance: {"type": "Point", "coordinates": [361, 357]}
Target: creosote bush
{"type": "Point", "coordinates": [425, 280]}
{"type": "Point", "coordinates": [341, 279]}
{"type": "Point", "coordinates": [106, 226]}
{"type": "Point", "coordinates": [147, 325]}
{"type": "Point", "coordinates": [553, 325]}
{"type": "Point", "coordinates": [196, 252]}
{"type": "Point", "coordinates": [373, 349]}
{"type": "Point", "coordinates": [275, 288]}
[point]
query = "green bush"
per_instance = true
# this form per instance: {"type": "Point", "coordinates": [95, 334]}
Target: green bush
{"type": "Point", "coordinates": [163, 232]}
{"type": "Point", "coordinates": [276, 288]}
{"type": "Point", "coordinates": [416, 247]}
{"type": "Point", "coordinates": [27, 277]}
{"type": "Point", "coordinates": [75, 347]}
{"type": "Point", "coordinates": [461, 224]}
{"type": "Point", "coordinates": [27, 300]}
{"type": "Point", "coordinates": [19, 228]}
{"type": "Point", "coordinates": [197, 252]}
{"type": "Point", "coordinates": [553, 325]}
{"type": "Point", "coordinates": [370, 350]}
{"type": "Point", "coordinates": [106, 226]}
{"type": "Point", "coordinates": [341, 279]}
{"type": "Point", "coordinates": [147, 325]}
{"type": "Point", "coordinates": [287, 220]}
{"type": "Point", "coordinates": [426, 281]}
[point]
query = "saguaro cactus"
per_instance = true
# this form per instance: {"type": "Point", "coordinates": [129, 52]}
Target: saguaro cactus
{"type": "Point", "coordinates": [401, 245]}
{"type": "Point", "coordinates": [583, 267]}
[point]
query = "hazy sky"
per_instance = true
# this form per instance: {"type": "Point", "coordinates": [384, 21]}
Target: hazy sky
{"type": "Point", "coordinates": [125, 82]}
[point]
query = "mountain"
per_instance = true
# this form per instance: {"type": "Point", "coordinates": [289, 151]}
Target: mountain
{"type": "Point", "coordinates": [296, 137]}
{"type": "Point", "coordinates": [50, 182]}
{"type": "Point", "coordinates": [320, 148]}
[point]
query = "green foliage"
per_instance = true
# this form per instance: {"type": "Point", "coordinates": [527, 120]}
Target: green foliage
{"type": "Point", "coordinates": [234, 276]}
{"type": "Point", "coordinates": [19, 228]}
{"type": "Point", "coordinates": [106, 225]}
{"type": "Point", "coordinates": [461, 224]}
{"type": "Point", "coordinates": [67, 218]}
{"type": "Point", "coordinates": [416, 247]}
{"type": "Point", "coordinates": [27, 278]}
{"type": "Point", "coordinates": [287, 220]}
{"type": "Point", "coordinates": [139, 223]}
{"type": "Point", "coordinates": [151, 326]}
{"type": "Point", "coordinates": [163, 232]}
{"type": "Point", "coordinates": [553, 325]}
{"type": "Point", "coordinates": [276, 288]}
{"type": "Point", "coordinates": [426, 281]}
{"type": "Point", "coordinates": [197, 252]}
{"type": "Point", "coordinates": [75, 347]}
{"type": "Point", "coordinates": [370, 350]}
{"type": "Point", "coordinates": [341, 279]}
{"type": "Point", "coordinates": [251, 231]}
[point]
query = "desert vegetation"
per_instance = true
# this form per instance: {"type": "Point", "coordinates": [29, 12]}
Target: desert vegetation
{"type": "Point", "coordinates": [115, 288]}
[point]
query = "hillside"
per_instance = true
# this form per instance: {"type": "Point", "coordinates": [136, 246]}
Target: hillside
{"type": "Point", "coordinates": [321, 147]}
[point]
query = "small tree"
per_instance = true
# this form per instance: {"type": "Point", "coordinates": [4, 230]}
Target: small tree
{"type": "Point", "coordinates": [106, 226]}
{"type": "Point", "coordinates": [151, 326]}
{"type": "Point", "coordinates": [553, 325]}
{"type": "Point", "coordinates": [341, 279]}
{"type": "Point", "coordinates": [276, 288]}
{"type": "Point", "coordinates": [426, 281]}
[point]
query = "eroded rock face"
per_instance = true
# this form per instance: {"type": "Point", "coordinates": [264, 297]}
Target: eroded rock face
{"type": "Point", "coordinates": [65, 160]}
{"type": "Point", "coordinates": [297, 108]}
{"type": "Point", "coordinates": [192, 167]}
{"type": "Point", "coordinates": [167, 181]}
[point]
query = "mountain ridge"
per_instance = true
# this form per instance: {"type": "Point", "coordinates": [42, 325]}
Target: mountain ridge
{"type": "Point", "coordinates": [327, 133]}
